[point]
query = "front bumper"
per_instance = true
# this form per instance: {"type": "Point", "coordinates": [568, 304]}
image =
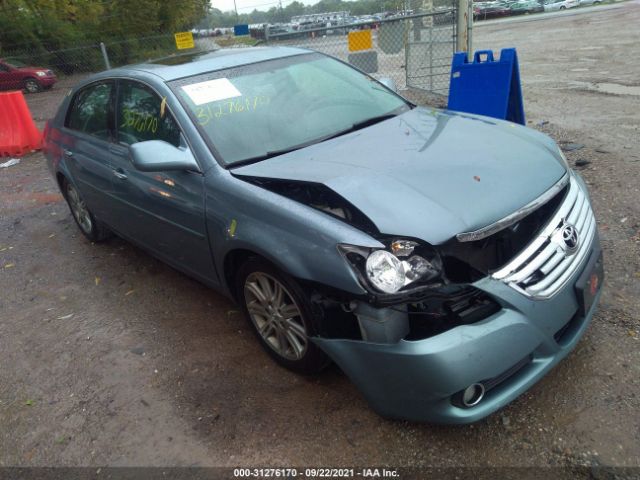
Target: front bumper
{"type": "Point", "coordinates": [417, 380]}
{"type": "Point", "coordinates": [47, 81]}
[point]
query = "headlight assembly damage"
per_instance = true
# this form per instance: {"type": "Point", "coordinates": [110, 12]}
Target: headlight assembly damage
{"type": "Point", "coordinates": [404, 262]}
{"type": "Point", "coordinates": [409, 296]}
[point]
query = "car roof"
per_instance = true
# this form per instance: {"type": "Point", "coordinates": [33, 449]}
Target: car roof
{"type": "Point", "coordinates": [185, 65]}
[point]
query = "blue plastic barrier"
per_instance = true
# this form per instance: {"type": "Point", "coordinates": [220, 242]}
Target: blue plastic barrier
{"type": "Point", "coordinates": [239, 30]}
{"type": "Point", "coordinates": [486, 86]}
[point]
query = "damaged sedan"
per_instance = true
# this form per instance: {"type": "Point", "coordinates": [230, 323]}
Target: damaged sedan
{"type": "Point", "coordinates": [445, 261]}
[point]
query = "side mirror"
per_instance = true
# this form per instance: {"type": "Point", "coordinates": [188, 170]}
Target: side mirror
{"type": "Point", "coordinates": [389, 83]}
{"type": "Point", "coordinates": [160, 156]}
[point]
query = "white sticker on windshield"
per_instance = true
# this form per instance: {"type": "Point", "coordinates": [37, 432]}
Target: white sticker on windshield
{"type": "Point", "coordinates": [211, 91]}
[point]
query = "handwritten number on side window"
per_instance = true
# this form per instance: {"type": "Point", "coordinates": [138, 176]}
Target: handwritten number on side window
{"type": "Point", "coordinates": [140, 122]}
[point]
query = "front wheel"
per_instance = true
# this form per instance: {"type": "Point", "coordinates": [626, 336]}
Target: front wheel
{"type": "Point", "coordinates": [31, 85]}
{"type": "Point", "coordinates": [280, 315]}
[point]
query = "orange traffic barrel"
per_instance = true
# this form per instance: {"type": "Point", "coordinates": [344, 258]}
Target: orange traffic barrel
{"type": "Point", "coordinates": [18, 133]}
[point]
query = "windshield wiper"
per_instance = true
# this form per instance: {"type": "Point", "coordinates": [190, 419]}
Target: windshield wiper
{"type": "Point", "coordinates": [371, 121]}
{"type": "Point", "coordinates": [275, 153]}
{"type": "Point", "coordinates": [272, 153]}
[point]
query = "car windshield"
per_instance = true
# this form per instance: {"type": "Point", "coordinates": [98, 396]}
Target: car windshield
{"type": "Point", "coordinates": [15, 63]}
{"type": "Point", "coordinates": [261, 110]}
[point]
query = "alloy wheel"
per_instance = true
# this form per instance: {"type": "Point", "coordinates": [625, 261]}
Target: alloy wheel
{"type": "Point", "coordinates": [31, 86]}
{"type": "Point", "coordinates": [79, 209]}
{"type": "Point", "coordinates": [275, 315]}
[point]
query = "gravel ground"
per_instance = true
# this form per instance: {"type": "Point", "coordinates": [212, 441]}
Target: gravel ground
{"type": "Point", "coordinates": [109, 357]}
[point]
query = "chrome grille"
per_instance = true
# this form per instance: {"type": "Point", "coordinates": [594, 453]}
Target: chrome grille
{"type": "Point", "coordinates": [542, 268]}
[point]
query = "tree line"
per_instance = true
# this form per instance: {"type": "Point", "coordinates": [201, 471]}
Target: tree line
{"type": "Point", "coordinates": [59, 24]}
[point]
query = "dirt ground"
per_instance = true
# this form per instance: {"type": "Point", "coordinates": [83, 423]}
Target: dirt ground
{"type": "Point", "coordinates": [109, 357]}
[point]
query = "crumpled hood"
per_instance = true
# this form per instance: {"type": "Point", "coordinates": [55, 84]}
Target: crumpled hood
{"type": "Point", "coordinates": [427, 174]}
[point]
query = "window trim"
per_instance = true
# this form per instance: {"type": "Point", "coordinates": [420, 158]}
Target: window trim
{"type": "Point", "coordinates": [110, 118]}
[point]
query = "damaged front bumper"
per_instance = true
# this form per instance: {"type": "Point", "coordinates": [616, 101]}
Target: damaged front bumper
{"type": "Point", "coordinates": [507, 352]}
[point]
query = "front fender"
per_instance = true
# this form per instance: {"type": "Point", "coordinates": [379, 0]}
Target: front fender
{"type": "Point", "coordinates": [296, 238]}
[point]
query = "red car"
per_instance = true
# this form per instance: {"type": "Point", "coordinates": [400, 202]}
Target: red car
{"type": "Point", "coordinates": [14, 76]}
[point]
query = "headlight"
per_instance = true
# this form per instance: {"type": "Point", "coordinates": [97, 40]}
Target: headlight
{"type": "Point", "coordinates": [385, 271]}
{"type": "Point", "coordinates": [41, 74]}
{"type": "Point", "coordinates": [390, 270]}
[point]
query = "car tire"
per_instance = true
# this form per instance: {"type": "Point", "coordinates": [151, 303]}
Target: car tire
{"type": "Point", "coordinates": [31, 85]}
{"type": "Point", "coordinates": [563, 7]}
{"type": "Point", "coordinates": [91, 228]}
{"type": "Point", "coordinates": [280, 315]}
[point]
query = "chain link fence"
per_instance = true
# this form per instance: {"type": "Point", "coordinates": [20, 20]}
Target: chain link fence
{"type": "Point", "coordinates": [415, 51]}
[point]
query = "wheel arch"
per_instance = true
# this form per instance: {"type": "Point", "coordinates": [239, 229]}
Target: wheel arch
{"type": "Point", "coordinates": [61, 178]}
{"type": "Point", "coordinates": [28, 78]}
{"type": "Point", "coordinates": [234, 258]}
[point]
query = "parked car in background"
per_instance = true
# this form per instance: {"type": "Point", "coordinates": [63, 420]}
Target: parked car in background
{"type": "Point", "coordinates": [17, 76]}
{"type": "Point", "coordinates": [520, 7]}
{"type": "Point", "coordinates": [554, 5]}
{"type": "Point", "coordinates": [484, 10]}
{"type": "Point", "coordinates": [589, 2]}
{"type": "Point", "coordinates": [445, 261]}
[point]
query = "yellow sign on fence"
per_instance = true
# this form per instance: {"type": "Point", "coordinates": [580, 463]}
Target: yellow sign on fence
{"type": "Point", "coordinates": [360, 40]}
{"type": "Point", "coordinates": [184, 40]}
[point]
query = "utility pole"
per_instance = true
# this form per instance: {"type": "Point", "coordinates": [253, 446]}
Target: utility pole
{"type": "Point", "coordinates": [236, 9]}
{"type": "Point", "coordinates": [465, 26]}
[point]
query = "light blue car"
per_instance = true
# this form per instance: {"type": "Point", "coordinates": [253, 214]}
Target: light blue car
{"type": "Point", "coordinates": [444, 261]}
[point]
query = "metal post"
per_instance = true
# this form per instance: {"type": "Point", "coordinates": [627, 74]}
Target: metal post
{"type": "Point", "coordinates": [462, 37]}
{"type": "Point", "coordinates": [105, 56]}
{"type": "Point", "coordinates": [431, 58]}
{"type": "Point", "coordinates": [470, 28]}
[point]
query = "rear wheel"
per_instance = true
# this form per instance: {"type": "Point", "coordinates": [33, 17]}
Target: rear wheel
{"type": "Point", "coordinates": [89, 226]}
{"type": "Point", "coordinates": [31, 85]}
{"type": "Point", "coordinates": [280, 315]}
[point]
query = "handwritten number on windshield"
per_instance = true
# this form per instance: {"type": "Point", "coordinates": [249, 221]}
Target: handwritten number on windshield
{"type": "Point", "coordinates": [230, 107]}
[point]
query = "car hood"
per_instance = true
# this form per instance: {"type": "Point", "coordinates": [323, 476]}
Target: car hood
{"type": "Point", "coordinates": [427, 174]}
{"type": "Point", "coordinates": [32, 69]}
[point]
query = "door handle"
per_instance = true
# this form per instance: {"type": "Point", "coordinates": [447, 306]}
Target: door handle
{"type": "Point", "coordinates": [68, 153]}
{"type": "Point", "coordinates": [120, 174]}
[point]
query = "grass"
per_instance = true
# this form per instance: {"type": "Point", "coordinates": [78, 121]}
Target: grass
{"type": "Point", "coordinates": [231, 41]}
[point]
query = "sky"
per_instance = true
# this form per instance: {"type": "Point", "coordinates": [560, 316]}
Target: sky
{"type": "Point", "coordinates": [246, 6]}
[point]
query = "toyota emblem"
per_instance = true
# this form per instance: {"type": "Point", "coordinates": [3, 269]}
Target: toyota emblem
{"type": "Point", "coordinates": [570, 238]}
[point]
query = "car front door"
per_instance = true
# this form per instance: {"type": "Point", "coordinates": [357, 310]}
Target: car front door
{"type": "Point", "coordinates": [162, 210]}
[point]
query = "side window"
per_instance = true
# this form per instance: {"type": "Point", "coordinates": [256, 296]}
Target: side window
{"type": "Point", "coordinates": [142, 115]}
{"type": "Point", "coordinates": [89, 111]}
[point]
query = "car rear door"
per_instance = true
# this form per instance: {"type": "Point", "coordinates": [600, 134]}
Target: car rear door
{"type": "Point", "coordinates": [85, 143]}
{"type": "Point", "coordinates": [164, 211]}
